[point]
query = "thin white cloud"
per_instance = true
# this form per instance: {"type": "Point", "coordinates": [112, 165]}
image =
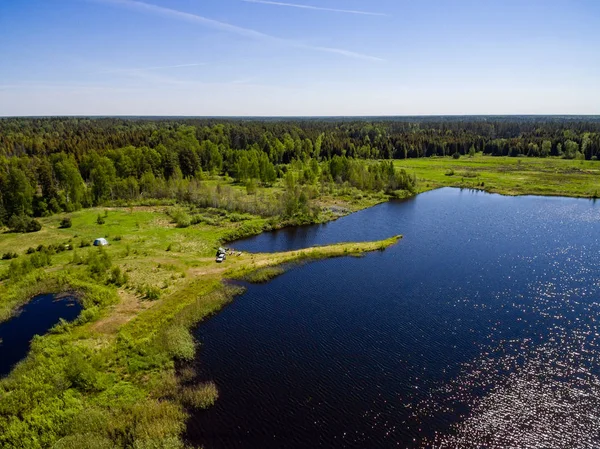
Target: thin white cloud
{"type": "Point", "coordinates": [145, 69]}
{"type": "Point", "coordinates": [316, 8]}
{"type": "Point", "coordinates": [222, 26]}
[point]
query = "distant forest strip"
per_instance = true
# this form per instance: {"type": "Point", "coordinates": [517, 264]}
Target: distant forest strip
{"type": "Point", "coordinates": [50, 165]}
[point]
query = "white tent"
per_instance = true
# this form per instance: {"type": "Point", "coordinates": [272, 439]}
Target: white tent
{"type": "Point", "coordinates": [100, 242]}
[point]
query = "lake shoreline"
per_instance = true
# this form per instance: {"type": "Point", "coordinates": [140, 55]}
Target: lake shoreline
{"type": "Point", "coordinates": [425, 309]}
{"type": "Point", "coordinates": [135, 326]}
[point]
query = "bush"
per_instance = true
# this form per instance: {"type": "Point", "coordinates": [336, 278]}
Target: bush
{"type": "Point", "coordinates": [100, 220]}
{"type": "Point", "coordinates": [33, 226]}
{"type": "Point", "coordinates": [98, 262]}
{"type": "Point", "coordinates": [41, 259]}
{"type": "Point", "coordinates": [65, 223]}
{"type": "Point", "coordinates": [118, 277]}
{"type": "Point", "coordinates": [9, 255]}
{"type": "Point", "coordinates": [80, 373]}
{"type": "Point", "coordinates": [181, 218]}
{"type": "Point", "coordinates": [456, 155]}
{"type": "Point", "coordinates": [184, 221]}
{"type": "Point", "coordinates": [468, 174]}
{"type": "Point", "coordinates": [152, 293]}
{"type": "Point", "coordinates": [23, 223]}
{"type": "Point", "coordinates": [449, 172]}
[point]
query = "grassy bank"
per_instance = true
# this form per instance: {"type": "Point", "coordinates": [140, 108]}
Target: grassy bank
{"type": "Point", "coordinates": [109, 378]}
{"type": "Point", "coordinates": [508, 175]}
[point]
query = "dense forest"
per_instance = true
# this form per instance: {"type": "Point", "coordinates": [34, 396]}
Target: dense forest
{"type": "Point", "coordinates": [49, 165]}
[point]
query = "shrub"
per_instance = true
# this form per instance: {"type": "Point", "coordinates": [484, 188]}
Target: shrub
{"type": "Point", "coordinates": [9, 255]}
{"type": "Point", "coordinates": [456, 155]}
{"type": "Point", "coordinates": [100, 220]}
{"type": "Point", "coordinates": [469, 174]}
{"type": "Point", "coordinates": [23, 223]}
{"type": "Point", "coordinates": [80, 373]}
{"type": "Point", "coordinates": [251, 187]}
{"type": "Point", "coordinates": [65, 223]}
{"type": "Point", "coordinates": [84, 243]}
{"type": "Point", "coordinates": [152, 293]}
{"type": "Point", "coordinates": [33, 226]}
{"type": "Point", "coordinates": [41, 259]}
{"type": "Point", "coordinates": [181, 218]}
{"type": "Point", "coordinates": [449, 172]}
{"type": "Point", "coordinates": [118, 277]}
{"type": "Point", "coordinates": [98, 262]}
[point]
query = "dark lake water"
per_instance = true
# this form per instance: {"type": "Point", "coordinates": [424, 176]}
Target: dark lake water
{"type": "Point", "coordinates": [37, 317]}
{"type": "Point", "coordinates": [481, 328]}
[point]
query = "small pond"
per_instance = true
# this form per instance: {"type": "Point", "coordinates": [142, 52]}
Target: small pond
{"type": "Point", "coordinates": [36, 317]}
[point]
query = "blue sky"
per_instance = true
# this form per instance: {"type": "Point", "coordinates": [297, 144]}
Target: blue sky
{"type": "Point", "coordinates": [299, 57]}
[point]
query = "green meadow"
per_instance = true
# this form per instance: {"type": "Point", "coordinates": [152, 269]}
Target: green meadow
{"type": "Point", "coordinates": [508, 175]}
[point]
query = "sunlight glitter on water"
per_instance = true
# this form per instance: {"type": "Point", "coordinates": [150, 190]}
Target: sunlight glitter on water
{"type": "Point", "coordinates": [540, 391]}
{"type": "Point", "coordinates": [480, 330]}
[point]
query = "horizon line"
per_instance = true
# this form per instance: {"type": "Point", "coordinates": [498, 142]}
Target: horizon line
{"type": "Point", "coordinates": [298, 116]}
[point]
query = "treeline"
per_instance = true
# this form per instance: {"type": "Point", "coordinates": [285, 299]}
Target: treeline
{"type": "Point", "coordinates": [49, 165]}
{"type": "Point", "coordinates": [286, 140]}
{"type": "Point", "coordinates": [177, 162]}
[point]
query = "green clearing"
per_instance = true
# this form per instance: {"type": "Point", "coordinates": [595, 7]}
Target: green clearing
{"type": "Point", "coordinates": [109, 378]}
{"type": "Point", "coordinates": [508, 175]}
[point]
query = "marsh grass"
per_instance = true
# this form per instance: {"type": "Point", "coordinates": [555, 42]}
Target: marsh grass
{"type": "Point", "coordinates": [264, 275]}
{"type": "Point", "coordinates": [507, 175]}
{"type": "Point", "coordinates": [199, 396]}
{"type": "Point", "coordinates": [179, 343]}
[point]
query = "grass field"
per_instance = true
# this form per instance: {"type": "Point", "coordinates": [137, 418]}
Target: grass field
{"type": "Point", "coordinates": [508, 175]}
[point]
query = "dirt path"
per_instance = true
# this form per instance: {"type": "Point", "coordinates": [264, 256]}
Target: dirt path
{"type": "Point", "coordinates": [125, 310]}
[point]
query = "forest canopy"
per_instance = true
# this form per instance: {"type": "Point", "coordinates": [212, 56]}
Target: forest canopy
{"type": "Point", "coordinates": [49, 165]}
